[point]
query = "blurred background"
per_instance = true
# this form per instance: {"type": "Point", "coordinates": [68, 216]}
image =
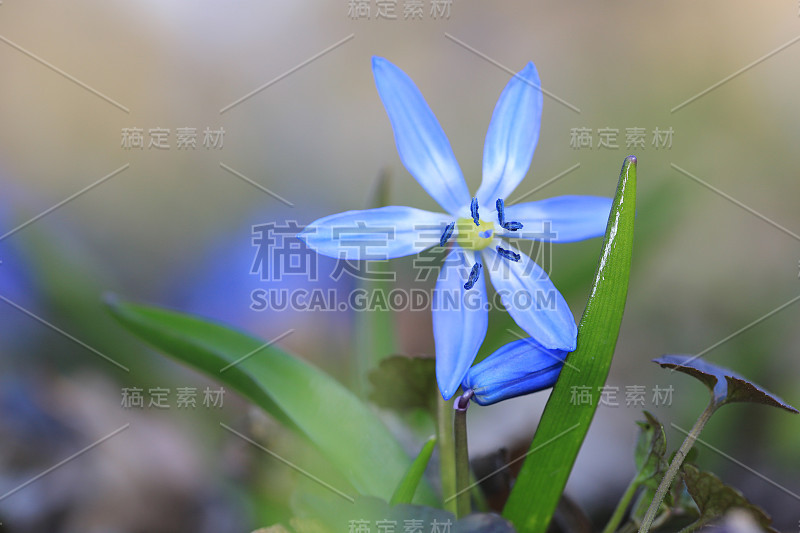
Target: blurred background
{"type": "Point", "coordinates": [279, 100]}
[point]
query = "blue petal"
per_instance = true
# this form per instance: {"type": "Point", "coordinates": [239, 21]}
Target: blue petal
{"type": "Point", "coordinates": [375, 234]}
{"type": "Point", "coordinates": [460, 320]}
{"type": "Point", "coordinates": [518, 368]}
{"type": "Point", "coordinates": [512, 136]}
{"type": "Point", "coordinates": [422, 145]}
{"type": "Point", "coordinates": [561, 218]}
{"type": "Point", "coordinates": [532, 300]}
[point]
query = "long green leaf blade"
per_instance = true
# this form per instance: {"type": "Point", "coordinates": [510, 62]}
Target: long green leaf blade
{"type": "Point", "coordinates": [404, 493]}
{"type": "Point", "coordinates": [298, 394]}
{"type": "Point", "coordinates": [564, 423]}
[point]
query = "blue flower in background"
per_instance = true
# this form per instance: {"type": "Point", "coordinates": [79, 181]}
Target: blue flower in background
{"type": "Point", "coordinates": [256, 275]}
{"type": "Point", "coordinates": [518, 368]}
{"type": "Point", "coordinates": [18, 282]}
{"type": "Point", "coordinates": [475, 224]}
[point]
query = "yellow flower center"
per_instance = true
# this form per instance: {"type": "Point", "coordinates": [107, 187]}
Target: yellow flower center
{"type": "Point", "coordinates": [472, 237]}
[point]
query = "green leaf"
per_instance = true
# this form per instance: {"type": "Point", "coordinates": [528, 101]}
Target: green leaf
{"type": "Point", "coordinates": [404, 493]}
{"type": "Point", "coordinates": [564, 423]}
{"type": "Point", "coordinates": [380, 196]}
{"type": "Point", "coordinates": [277, 528]}
{"type": "Point", "coordinates": [714, 498]}
{"type": "Point", "coordinates": [642, 503]}
{"type": "Point", "coordinates": [677, 502]}
{"type": "Point", "coordinates": [650, 448]}
{"type": "Point", "coordinates": [649, 456]}
{"type": "Point", "coordinates": [296, 393]}
{"type": "Point", "coordinates": [374, 330]}
{"type": "Point", "coordinates": [402, 383]}
{"type": "Point", "coordinates": [725, 385]}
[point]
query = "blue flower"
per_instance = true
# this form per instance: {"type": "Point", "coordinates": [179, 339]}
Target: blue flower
{"type": "Point", "coordinates": [518, 368]}
{"type": "Point", "coordinates": [475, 224]}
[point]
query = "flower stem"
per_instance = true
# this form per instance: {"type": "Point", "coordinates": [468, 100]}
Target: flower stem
{"type": "Point", "coordinates": [463, 478]}
{"type": "Point", "coordinates": [677, 461]}
{"type": "Point", "coordinates": [447, 452]}
{"type": "Point", "coordinates": [622, 506]}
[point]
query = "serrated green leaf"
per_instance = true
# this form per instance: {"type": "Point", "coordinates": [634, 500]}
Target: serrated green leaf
{"type": "Point", "coordinates": [726, 385]}
{"type": "Point", "coordinates": [651, 447]}
{"type": "Point", "coordinates": [296, 393]}
{"type": "Point", "coordinates": [714, 498]}
{"type": "Point", "coordinates": [691, 455]}
{"type": "Point", "coordinates": [564, 423]}
{"type": "Point", "coordinates": [404, 493]}
{"type": "Point", "coordinates": [677, 500]}
{"type": "Point", "coordinates": [642, 502]}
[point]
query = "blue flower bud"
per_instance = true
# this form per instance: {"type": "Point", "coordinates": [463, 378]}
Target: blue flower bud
{"type": "Point", "coordinates": [518, 368]}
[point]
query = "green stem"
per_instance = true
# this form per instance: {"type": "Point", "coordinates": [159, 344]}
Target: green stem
{"type": "Point", "coordinates": [463, 478]}
{"type": "Point", "coordinates": [622, 506]}
{"type": "Point", "coordinates": [447, 452]}
{"type": "Point", "coordinates": [478, 498]}
{"type": "Point", "coordinates": [677, 461]}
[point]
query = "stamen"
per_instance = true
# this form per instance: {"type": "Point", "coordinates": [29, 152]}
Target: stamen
{"type": "Point", "coordinates": [501, 215]}
{"type": "Point", "coordinates": [473, 209]}
{"type": "Point", "coordinates": [473, 276]}
{"type": "Point", "coordinates": [508, 254]}
{"type": "Point", "coordinates": [448, 232]}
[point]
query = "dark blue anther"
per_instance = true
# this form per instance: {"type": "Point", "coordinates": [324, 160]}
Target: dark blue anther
{"type": "Point", "coordinates": [501, 215]}
{"type": "Point", "coordinates": [473, 276]}
{"type": "Point", "coordinates": [448, 232]}
{"type": "Point", "coordinates": [508, 254]}
{"type": "Point", "coordinates": [473, 209]}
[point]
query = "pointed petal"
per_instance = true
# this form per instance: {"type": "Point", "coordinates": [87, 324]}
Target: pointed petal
{"type": "Point", "coordinates": [518, 368]}
{"type": "Point", "coordinates": [561, 218]}
{"type": "Point", "coordinates": [375, 234]}
{"type": "Point", "coordinates": [421, 143]}
{"type": "Point", "coordinates": [460, 320]}
{"type": "Point", "coordinates": [512, 136]}
{"type": "Point", "coordinates": [532, 300]}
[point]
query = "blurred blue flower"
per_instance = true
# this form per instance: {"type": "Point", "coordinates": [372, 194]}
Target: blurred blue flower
{"type": "Point", "coordinates": [518, 368]}
{"type": "Point", "coordinates": [18, 283]}
{"type": "Point", "coordinates": [255, 274]}
{"type": "Point", "coordinates": [460, 305]}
